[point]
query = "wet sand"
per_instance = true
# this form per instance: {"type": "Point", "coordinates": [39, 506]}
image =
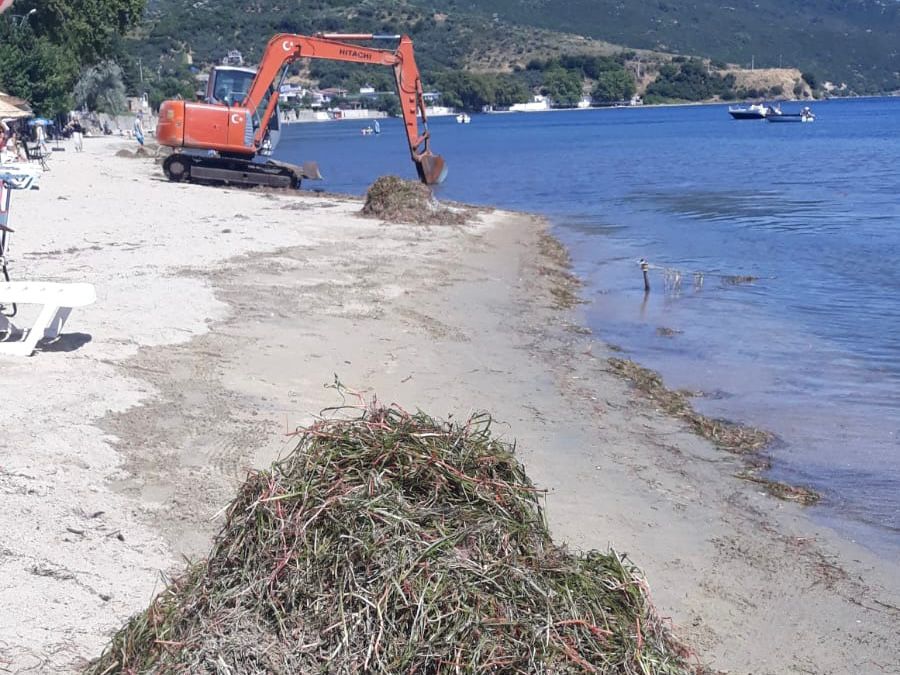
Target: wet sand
{"type": "Point", "coordinates": [221, 316]}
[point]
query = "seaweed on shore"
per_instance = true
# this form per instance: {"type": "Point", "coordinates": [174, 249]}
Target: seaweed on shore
{"type": "Point", "coordinates": [395, 543]}
{"type": "Point", "coordinates": [746, 441]}
{"type": "Point", "coordinates": [776, 488]}
{"type": "Point", "coordinates": [735, 438]}
{"type": "Point", "coordinates": [404, 201]}
{"type": "Point", "coordinates": [565, 286]}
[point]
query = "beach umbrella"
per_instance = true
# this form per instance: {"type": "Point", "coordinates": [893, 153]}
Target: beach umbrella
{"type": "Point", "coordinates": [11, 111]}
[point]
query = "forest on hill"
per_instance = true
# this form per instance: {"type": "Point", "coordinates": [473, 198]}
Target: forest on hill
{"type": "Point", "coordinates": [855, 42]}
{"type": "Point", "coordinates": [473, 58]}
{"type": "Point", "coordinates": [490, 52]}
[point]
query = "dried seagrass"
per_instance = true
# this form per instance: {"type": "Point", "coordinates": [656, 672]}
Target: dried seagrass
{"type": "Point", "coordinates": [394, 543]}
{"type": "Point", "coordinates": [404, 201]}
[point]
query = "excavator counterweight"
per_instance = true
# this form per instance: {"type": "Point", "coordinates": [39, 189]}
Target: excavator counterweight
{"type": "Point", "coordinates": [226, 138]}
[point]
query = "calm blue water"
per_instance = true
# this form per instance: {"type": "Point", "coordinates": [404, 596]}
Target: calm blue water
{"type": "Point", "coordinates": [810, 351]}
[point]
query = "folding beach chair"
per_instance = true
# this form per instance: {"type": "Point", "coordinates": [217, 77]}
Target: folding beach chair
{"type": "Point", "coordinates": [35, 153]}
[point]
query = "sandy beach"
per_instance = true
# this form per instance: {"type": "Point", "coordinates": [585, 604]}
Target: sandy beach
{"type": "Point", "coordinates": [222, 314]}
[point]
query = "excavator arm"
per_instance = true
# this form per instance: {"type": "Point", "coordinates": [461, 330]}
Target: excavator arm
{"type": "Point", "coordinates": [285, 48]}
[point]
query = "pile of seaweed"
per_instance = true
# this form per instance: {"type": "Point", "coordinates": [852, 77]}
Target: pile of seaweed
{"type": "Point", "coordinates": [393, 543]}
{"type": "Point", "coordinates": [404, 201]}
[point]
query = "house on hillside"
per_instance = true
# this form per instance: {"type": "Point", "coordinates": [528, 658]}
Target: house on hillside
{"type": "Point", "coordinates": [327, 95]}
{"type": "Point", "coordinates": [233, 58]}
{"type": "Point", "coordinates": [291, 92]}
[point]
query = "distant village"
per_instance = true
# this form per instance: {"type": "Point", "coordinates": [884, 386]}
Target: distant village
{"type": "Point", "coordinates": [300, 103]}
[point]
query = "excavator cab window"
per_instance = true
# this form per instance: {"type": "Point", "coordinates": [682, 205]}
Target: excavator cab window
{"type": "Point", "coordinates": [230, 85]}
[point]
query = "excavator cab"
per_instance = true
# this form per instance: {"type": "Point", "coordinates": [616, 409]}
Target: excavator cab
{"type": "Point", "coordinates": [230, 85]}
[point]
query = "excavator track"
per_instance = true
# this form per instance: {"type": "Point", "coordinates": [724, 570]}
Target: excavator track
{"type": "Point", "coordinates": [232, 171]}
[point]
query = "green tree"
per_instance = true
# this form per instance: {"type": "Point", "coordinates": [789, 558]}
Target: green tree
{"type": "Point", "coordinates": [35, 69]}
{"type": "Point", "coordinates": [689, 80]}
{"type": "Point", "coordinates": [564, 87]}
{"type": "Point", "coordinates": [90, 29]}
{"type": "Point", "coordinates": [388, 104]}
{"type": "Point", "coordinates": [509, 91]}
{"type": "Point", "coordinates": [613, 85]}
{"type": "Point", "coordinates": [41, 57]}
{"type": "Point", "coordinates": [467, 91]}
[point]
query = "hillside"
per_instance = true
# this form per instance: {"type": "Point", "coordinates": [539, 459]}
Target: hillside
{"type": "Point", "coordinates": [491, 52]}
{"type": "Point", "coordinates": [844, 41]}
{"type": "Point", "coordinates": [209, 28]}
{"type": "Point", "coordinates": [473, 58]}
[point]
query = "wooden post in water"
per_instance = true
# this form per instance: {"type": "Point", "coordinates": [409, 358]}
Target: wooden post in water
{"type": "Point", "coordinates": [645, 267]}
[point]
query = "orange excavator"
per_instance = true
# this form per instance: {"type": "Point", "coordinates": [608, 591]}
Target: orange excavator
{"type": "Point", "coordinates": [227, 138]}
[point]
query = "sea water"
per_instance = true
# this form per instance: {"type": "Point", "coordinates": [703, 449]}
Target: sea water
{"type": "Point", "coordinates": [810, 349]}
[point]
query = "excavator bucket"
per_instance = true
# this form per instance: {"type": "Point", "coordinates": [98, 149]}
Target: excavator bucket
{"type": "Point", "coordinates": [432, 169]}
{"type": "Point", "coordinates": [310, 171]}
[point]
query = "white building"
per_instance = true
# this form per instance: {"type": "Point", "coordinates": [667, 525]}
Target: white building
{"type": "Point", "coordinates": [439, 111]}
{"type": "Point", "coordinates": [233, 58]}
{"type": "Point", "coordinates": [289, 92]}
{"type": "Point", "coordinates": [536, 104]}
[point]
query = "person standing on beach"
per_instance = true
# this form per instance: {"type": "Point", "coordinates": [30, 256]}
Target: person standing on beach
{"type": "Point", "coordinates": [40, 135]}
{"type": "Point", "coordinates": [138, 128]}
{"type": "Point", "coordinates": [78, 135]}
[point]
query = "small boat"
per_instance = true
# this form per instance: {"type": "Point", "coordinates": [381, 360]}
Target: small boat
{"type": "Point", "coordinates": [757, 111]}
{"type": "Point", "coordinates": [371, 130]}
{"type": "Point", "coordinates": [463, 118]}
{"type": "Point", "coordinates": [805, 115]}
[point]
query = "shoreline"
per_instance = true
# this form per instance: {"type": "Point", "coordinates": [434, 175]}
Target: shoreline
{"type": "Point", "coordinates": [172, 399]}
{"type": "Point", "coordinates": [685, 104]}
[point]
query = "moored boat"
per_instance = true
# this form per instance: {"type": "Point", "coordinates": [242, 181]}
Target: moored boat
{"type": "Point", "coordinates": [756, 111]}
{"type": "Point", "coordinates": [805, 115]}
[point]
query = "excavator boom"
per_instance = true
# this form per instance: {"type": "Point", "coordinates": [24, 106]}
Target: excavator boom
{"type": "Point", "coordinates": [236, 130]}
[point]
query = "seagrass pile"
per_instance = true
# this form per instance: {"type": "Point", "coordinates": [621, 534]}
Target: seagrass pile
{"type": "Point", "coordinates": [394, 543]}
{"type": "Point", "coordinates": [396, 200]}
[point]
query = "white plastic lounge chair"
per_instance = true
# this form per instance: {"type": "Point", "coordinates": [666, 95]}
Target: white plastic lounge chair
{"type": "Point", "coordinates": [57, 301]}
{"type": "Point", "coordinates": [20, 176]}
